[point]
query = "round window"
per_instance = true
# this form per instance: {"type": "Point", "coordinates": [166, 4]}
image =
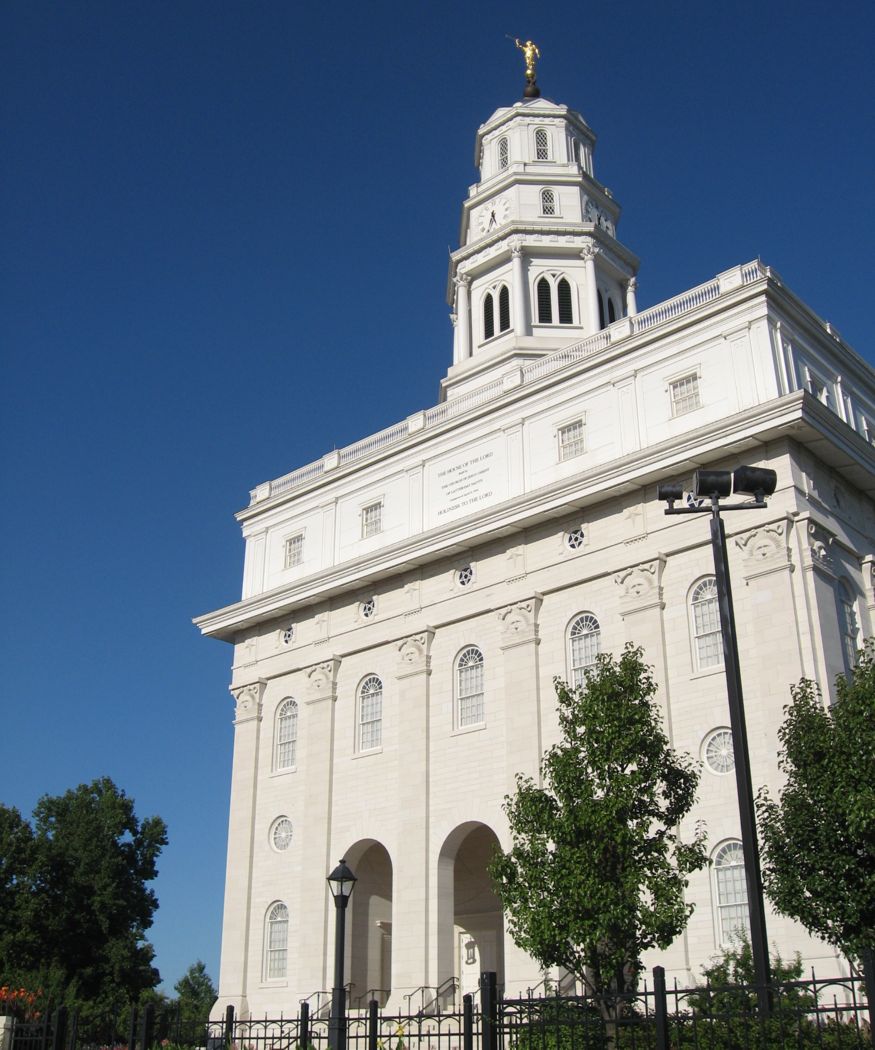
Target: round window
{"type": "Point", "coordinates": [281, 834]}
{"type": "Point", "coordinates": [718, 752]}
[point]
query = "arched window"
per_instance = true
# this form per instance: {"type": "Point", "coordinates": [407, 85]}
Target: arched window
{"type": "Point", "coordinates": [848, 625]}
{"type": "Point", "coordinates": [548, 202]}
{"type": "Point", "coordinates": [285, 735]}
{"type": "Point", "coordinates": [554, 299]}
{"type": "Point", "coordinates": [584, 645]}
{"type": "Point", "coordinates": [612, 313]}
{"type": "Point", "coordinates": [705, 624]}
{"type": "Point", "coordinates": [601, 309]}
{"type": "Point", "coordinates": [503, 309]}
{"type": "Point", "coordinates": [488, 317]}
{"type": "Point", "coordinates": [469, 687]}
{"type": "Point", "coordinates": [503, 154]}
{"type": "Point", "coordinates": [276, 941]}
{"type": "Point", "coordinates": [370, 729]}
{"type": "Point", "coordinates": [563, 297]}
{"type": "Point", "coordinates": [496, 307]}
{"type": "Point", "coordinates": [733, 917]}
{"type": "Point", "coordinates": [542, 144]}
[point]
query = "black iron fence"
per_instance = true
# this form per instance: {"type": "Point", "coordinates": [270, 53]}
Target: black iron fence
{"type": "Point", "coordinates": [821, 1014]}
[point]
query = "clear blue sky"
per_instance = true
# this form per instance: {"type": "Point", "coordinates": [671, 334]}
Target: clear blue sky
{"type": "Point", "coordinates": [224, 251]}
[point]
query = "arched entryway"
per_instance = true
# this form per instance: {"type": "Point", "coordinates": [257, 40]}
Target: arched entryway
{"type": "Point", "coordinates": [369, 928]}
{"type": "Point", "coordinates": [470, 919]}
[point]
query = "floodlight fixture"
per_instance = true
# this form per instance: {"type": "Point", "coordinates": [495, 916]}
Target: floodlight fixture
{"type": "Point", "coordinates": [758, 482]}
{"type": "Point", "coordinates": [710, 483]}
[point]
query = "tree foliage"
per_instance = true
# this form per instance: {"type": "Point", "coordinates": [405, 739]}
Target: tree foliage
{"type": "Point", "coordinates": [597, 871]}
{"type": "Point", "coordinates": [819, 836]}
{"type": "Point", "coordinates": [74, 894]}
{"type": "Point", "coordinates": [195, 993]}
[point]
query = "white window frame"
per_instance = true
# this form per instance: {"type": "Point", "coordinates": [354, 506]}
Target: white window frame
{"type": "Point", "coordinates": [276, 942]}
{"type": "Point", "coordinates": [372, 525]}
{"type": "Point", "coordinates": [576, 447]}
{"type": "Point", "coordinates": [718, 753]}
{"type": "Point", "coordinates": [293, 550]}
{"type": "Point", "coordinates": [732, 916]}
{"type": "Point", "coordinates": [465, 694]}
{"type": "Point", "coordinates": [499, 165]}
{"type": "Point", "coordinates": [581, 658]}
{"type": "Point", "coordinates": [274, 828]}
{"type": "Point", "coordinates": [548, 147]}
{"type": "Point", "coordinates": [495, 291]}
{"type": "Point", "coordinates": [369, 719]}
{"type": "Point", "coordinates": [678, 405]}
{"type": "Point", "coordinates": [553, 202]}
{"type": "Point", "coordinates": [698, 632]}
{"type": "Point", "coordinates": [289, 756]}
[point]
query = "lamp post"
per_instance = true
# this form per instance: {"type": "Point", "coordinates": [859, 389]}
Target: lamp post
{"type": "Point", "coordinates": [341, 882]}
{"type": "Point", "coordinates": [709, 486]}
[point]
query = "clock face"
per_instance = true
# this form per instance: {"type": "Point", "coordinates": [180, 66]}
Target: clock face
{"type": "Point", "coordinates": [493, 214]}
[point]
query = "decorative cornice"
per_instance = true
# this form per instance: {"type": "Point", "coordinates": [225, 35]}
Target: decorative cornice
{"type": "Point", "coordinates": [414, 654]}
{"type": "Point", "coordinates": [519, 622]}
{"type": "Point", "coordinates": [641, 586]}
{"type": "Point", "coordinates": [249, 704]}
{"type": "Point", "coordinates": [322, 680]}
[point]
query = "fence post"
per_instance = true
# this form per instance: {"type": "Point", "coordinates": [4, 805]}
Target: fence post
{"type": "Point", "coordinates": [132, 1030]}
{"type": "Point", "coordinates": [147, 1032]}
{"type": "Point", "coordinates": [228, 1032]}
{"type": "Point", "coordinates": [660, 1007]}
{"type": "Point", "coordinates": [304, 1027]}
{"type": "Point", "coordinates": [59, 1036]}
{"type": "Point", "coordinates": [868, 961]}
{"type": "Point", "coordinates": [489, 1010]}
{"type": "Point", "coordinates": [373, 1025]}
{"type": "Point", "coordinates": [467, 1022]}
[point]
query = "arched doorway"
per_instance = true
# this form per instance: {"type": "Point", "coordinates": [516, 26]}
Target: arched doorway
{"type": "Point", "coordinates": [369, 930]}
{"type": "Point", "coordinates": [470, 919]}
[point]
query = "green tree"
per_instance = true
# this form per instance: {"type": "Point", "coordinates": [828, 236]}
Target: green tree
{"type": "Point", "coordinates": [597, 871]}
{"type": "Point", "coordinates": [80, 900]}
{"type": "Point", "coordinates": [819, 836]}
{"type": "Point", "coordinates": [195, 993]}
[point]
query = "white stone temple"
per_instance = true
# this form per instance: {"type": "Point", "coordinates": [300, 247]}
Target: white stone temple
{"type": "Point", "coordinates": [408, 600]}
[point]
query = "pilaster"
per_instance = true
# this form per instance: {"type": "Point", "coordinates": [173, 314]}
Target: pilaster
{"type": "Point", "coordinates": [463, 315]}
{"type": "Point", "coordinates": [412, 865]}
{"type": "Point", "coordinates": [588, 254]}
{"type": "Point", "coordinates": [234, 976]}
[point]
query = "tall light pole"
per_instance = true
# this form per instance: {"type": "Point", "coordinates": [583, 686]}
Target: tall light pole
{"type": "Point", "coordinates": [709, 486]}
{"type": "Point", "coordinates": [341, 882]}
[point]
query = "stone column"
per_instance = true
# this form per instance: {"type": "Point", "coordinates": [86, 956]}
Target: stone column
{"type": "Point", "coordinates": [520, 292]}
{"type": "Point", "coordinates": [412, 863]}
{"type": "Point", "coordinates": [523, 733]}
{"type": "Point", "coordinates": [463, 315]}
{"type": "Point", "coordinates": [453, 321]}
{"type": "Point", "coordinates": [234, 977]}
{"type": "Point", "coordinates": [315, 940]}
{"type": "Point", "coordinates": [631, 301]}
{"type": "Point", "coordinates": [588, 254]}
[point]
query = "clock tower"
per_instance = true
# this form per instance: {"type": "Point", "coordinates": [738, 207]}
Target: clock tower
{"type": "Point", "coordinates": [539, 265]}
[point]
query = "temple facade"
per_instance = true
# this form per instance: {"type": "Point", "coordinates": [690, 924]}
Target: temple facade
{"type": "Point", "coordinates": [408, 600]}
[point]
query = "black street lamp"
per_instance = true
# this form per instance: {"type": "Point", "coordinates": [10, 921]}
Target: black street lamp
{"type": "Point", "coordinates": [709, 486]}
{"type": "Point", "coordinates": [341, 882]}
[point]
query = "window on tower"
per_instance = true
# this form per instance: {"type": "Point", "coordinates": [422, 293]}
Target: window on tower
{"type": "Point", "coordinates": [496, 311]}
{"type": "Point", "coordinates": [548, 202]}
{"type": "Point", "coordinates": [542, 144]}
{"type": "Point", "coordinates": [554, 299]}
{"type": "Point", "coordinates": [503, 154]}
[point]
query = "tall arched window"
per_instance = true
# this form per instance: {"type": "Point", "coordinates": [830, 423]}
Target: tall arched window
{"type": "Point", "coordinates": [548, 202]}
{"type": "Point", "coordinates": [563, 299]}
{"type": "Point", "coordinates": [705, 624]}
{"type": "Point", "coordinates": [370, 728]}
{"type": "Point", "coordinates": [503, 154]}
{"type": "Point", "coordinates": [848, 625]}
{"type": "Point", "coordinates": [276, 941]}
{"type": "Point", "coordinates": [612, 312]}
{"type": "Point", "coordinates": [554, 299]}
{"type": "Point", "coordinates": [496, 308]}
{"type": "Point", "coordinates": [584, 645]}
{"type": "Point", "coordinates": [542, 144]}
{"type": "Point", "coordinates": [469, 687]}
{"type": "Point", "coordinates": [488, 316]}
{"type": "Point", "coordinates": [601, 309]}
{"type": "Point", "coordinates": [503, 309]}
{"type": "Point", "coordinates": [733, 916]}
{"type": "Point", "coordinates": [285, 739]}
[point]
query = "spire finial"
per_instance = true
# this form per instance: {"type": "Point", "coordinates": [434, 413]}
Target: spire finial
{"type": "Point", "coordinates": [531, 54]}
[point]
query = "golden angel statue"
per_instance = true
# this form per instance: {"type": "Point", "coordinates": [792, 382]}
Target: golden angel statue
{"type": "Point", "coordinates": [531, 54]}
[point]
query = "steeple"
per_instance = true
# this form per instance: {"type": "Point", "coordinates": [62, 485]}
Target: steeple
{"type": "Point", "coordinates": [539, 265]}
